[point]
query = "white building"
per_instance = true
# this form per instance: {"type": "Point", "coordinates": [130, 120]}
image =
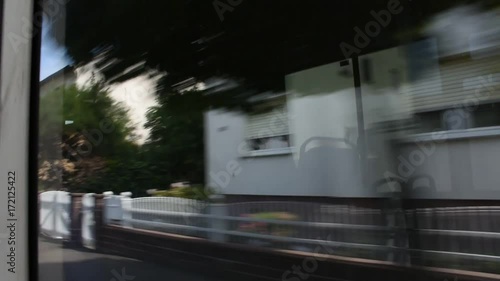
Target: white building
{"type": "Point", "coordinates": [62, 78]}
{"type": "Point", "coordinates": [304, 142]}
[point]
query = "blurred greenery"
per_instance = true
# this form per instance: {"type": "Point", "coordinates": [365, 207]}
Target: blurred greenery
{"type": "Point", "coordinates": [192, 192]}
{"type": "Point", "coordinates": [98, 151]}
{"type": "Point", "coordinates": [98, 129]}
{"type": "Point", "coordinates": [264, 227]}
{"type": "Point", "coordinates": [175, 148]}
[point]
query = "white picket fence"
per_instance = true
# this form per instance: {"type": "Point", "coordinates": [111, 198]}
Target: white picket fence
{"type": "Point", "coordinates": [88, 223]}
{"type": "Point", "coordinates": [55, 214]}
{"type": "Point", "coordinates": [441, 233]}
{"type": "Point", "coordinates": [55, 220]}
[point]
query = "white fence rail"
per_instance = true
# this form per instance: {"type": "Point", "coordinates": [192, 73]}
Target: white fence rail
{"type": "Point", "coordinates": [175, 215]}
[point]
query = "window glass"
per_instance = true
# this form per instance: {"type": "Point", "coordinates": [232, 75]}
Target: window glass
{"type": "Point", "coordinates": [277, 140]}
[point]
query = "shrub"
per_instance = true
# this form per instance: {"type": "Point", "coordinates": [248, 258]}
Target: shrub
{"type": "Point", "coordinates": [192, 192]}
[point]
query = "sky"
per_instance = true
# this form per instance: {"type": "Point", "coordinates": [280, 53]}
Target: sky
{"type": "Point", "coordinates": [53, 57]}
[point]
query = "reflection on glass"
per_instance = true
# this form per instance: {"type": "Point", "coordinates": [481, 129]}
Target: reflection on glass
{"type": "Point", "coordinates": [185, 136]}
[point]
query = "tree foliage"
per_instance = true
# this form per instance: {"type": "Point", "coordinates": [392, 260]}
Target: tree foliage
{"type": "Point", "coordinates": [175, 146]}
{"type": "Point", "coordinates": [258, 41]}
{"type": "Point", "coordinates": [96, 152]}
{"type": "Point", "coordinates": [192, 192]}
{"type": "Point", "coordinates": [81, 129]}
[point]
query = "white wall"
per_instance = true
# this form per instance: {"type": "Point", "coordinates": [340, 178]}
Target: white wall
{"type": "Point", "coordinates": [232, 173]}
{"type": "Point", "coordinates": [322, 103]}
{"type": "Point", "coordinates": [62, 78]}
{"type": "Point", "coordinates": [449, 165]}
{"type": "Point", "coordinates": [229, 170]}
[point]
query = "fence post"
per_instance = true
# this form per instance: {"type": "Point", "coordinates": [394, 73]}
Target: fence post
{"type": "Point", "coordinates": [88, 221]}
{"type": "Point", "coordinates": [396, 220]}
{"type": "Point", "coordinates": [99, 221]}
{"type": "Point", "coordinates": [106, 200]}
{"type": "Point", "coordinates": [76, 219]}
{"type": "Point", "coordinates": [126, 194]}
{"type": "Point", "coordinates": [126, 203]}
{"type": "Point", "coordinates": [217, 207]}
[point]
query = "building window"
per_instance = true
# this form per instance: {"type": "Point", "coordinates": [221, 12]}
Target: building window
{"type": "Point", "coordinates": [485, 115]}
{"type": "Point", "coordinates": [395, 75]}
{"type": "Point", "coordinates": [366, 65]}
{"type": "Point", "coordinates": [268, 126]}
{"type": "Point", "coordinates": [457, 119]}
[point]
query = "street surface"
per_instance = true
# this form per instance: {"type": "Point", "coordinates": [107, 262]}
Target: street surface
{"type": "Point", "coordinates": [65, 264]}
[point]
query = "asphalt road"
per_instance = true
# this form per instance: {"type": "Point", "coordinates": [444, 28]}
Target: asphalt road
{"type": "Point", "coordinates": [57, 263]}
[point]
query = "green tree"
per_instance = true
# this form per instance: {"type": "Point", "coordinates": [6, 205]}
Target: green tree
{"type": "Point", "coordinates": [175, 148]}
{"type": "Point", "coordinates": [82, 130]}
